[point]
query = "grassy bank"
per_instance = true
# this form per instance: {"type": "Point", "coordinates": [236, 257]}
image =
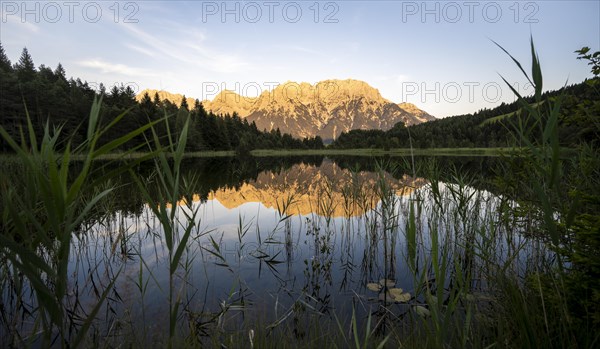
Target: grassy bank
{"type": "Point", "coordinates": [304, 152]}
{"type": "Point", "coordinates": [391, 152]}
{"type": "Point", "coordinates": [7, 159]}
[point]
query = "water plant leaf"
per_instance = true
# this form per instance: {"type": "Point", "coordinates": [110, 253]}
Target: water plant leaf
{"type": "Point", "coordinates": [374, 287]}
{"type": "Point", "coordinates": [386, 297]}
{"type": "Point", "coordinates": [394, 295]}
{"type": "Point", "coordinates": [399, 296]}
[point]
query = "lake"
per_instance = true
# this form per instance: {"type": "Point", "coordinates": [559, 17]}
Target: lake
{"type": "Point", "coordinates": [290, 242]}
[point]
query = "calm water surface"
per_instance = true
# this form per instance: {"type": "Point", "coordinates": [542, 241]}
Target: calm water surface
{"type": "Point", "coordinates": [278, 242]}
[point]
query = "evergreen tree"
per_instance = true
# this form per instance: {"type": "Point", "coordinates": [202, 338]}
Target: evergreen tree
{"type": "Point", "coordinates": [60, 72]}
{"type": "Point", "coordinates": [199, 108]}
{"type": "Point", "coordinates": [5, 64]}
{"type": "Point", "coordinates": [184, 104]}
{"type": "Point", "coordinates": [146, 99]}
{"type": "Point", "coordinates": [156, 100]}
{"type": "Point", "coordinates": [8, 98]}
{"type": "Point", "coordinates": [25, 68]}
{"type": "Point", "coordinates": [147, 107]}
{"type": "Point", "coordinates": [28, 91]}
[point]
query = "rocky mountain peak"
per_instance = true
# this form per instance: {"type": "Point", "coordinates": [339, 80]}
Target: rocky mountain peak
{"type": "Point", "coordinates": [229, 102]}
{"type": "Point", "coordinates": [325, 108]}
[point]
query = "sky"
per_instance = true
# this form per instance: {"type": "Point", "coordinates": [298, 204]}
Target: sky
{"type": "Point", "coordinates": [438, 55]}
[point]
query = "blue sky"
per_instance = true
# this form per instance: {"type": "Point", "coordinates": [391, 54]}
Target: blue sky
{"type": "Point", "coordinates": [436, 54]}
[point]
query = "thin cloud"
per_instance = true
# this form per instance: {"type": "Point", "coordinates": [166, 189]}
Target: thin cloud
{"type": "Point", "coordinates": [141, 50]}
{"type": "Point", "coordinates": [112, 68]}
{"type": "Point", "coordinates": [15, 20]}
{"type": "Point", "coordinates": [188, 50]}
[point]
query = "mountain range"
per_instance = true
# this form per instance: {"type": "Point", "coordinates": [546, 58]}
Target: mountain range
{"type": "Point", "coordinates": [324, 109]}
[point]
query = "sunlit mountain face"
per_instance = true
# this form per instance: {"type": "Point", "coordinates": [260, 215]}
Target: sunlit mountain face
{"type": "Point", "coordinates": [324, 109]}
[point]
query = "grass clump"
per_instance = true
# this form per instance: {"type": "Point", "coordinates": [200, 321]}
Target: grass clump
{"type": "Point", "coordinates": [41, 212]}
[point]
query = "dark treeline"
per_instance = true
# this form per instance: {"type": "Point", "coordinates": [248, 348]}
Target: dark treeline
{"type": "Point", "coordinates": [472, 167]}
{"type": "Point", "coordinates": [49, 97]}
{"type": "Point", "coordinates": [579, 122]}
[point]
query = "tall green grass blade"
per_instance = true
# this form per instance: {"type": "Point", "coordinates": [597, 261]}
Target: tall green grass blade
{"type": "Point", "coordinates": [411, 237]}
{"type": "Point", "coordinates": [536, 72]}
{"type": "Point", "coordinates": [94, 117]}
{"type": "Point", "coordinates": [181, 246]}
{"type": "Point", "coordinates": [515, 61]}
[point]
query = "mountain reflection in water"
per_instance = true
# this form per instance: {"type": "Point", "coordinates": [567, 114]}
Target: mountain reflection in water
{"type": "Point", "coordinates": [306, 186]}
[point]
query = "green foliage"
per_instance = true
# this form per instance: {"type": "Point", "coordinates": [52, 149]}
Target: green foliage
{"type": "Point", "coordinates": [592, 58]}
{"type": "Point", "coordinates": [563, 195]}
